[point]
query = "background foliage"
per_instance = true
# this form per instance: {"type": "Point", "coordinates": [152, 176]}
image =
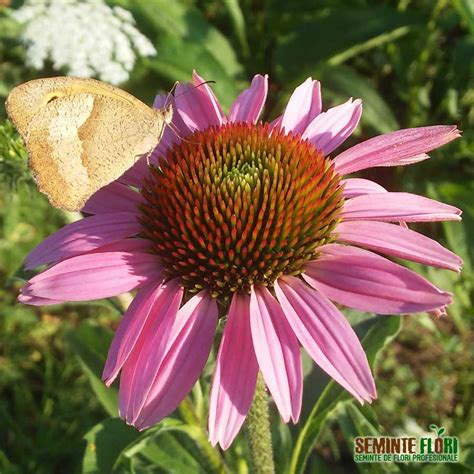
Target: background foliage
{"type": "Point", "coordinates": [411, 62]}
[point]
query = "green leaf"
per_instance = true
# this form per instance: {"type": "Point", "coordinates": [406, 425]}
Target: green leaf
{"type": "Point", "coordinates": [336, 35]}
{"type": "Point", "coordinates": [172, 456]}
{"type": "Point", "coordinates": [105, 442]}
{"type": "Point", "coordinates": [111, 445]}
{"type": "Point", "coordinates": [238, 23]}
{"type": "Point", "coordinates": [361, 421]}
{"type": "Point", "coordinates": [177, 58]}
{"type": "Point", "coordinates": [342, 82]}
{"type": "Point", "coordinates": [316, 379]}
{"type": "Point", "coordinates": [378, 336]}
{"type": "Point", "coordinates": [164, 17]}
{"type": "Point", "coordinates": [90, 343]}
{"type": "Point", "coordinates": [458, 234]}
{"type": "Point", "coordinates": [466, 9]}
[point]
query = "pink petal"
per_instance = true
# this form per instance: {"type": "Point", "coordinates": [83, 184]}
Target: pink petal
{"type": "Point", "coordinates": [354, 187]}
{"type": "Point", "coordinates": [148, 356]}
{"type": "Point", "coordinates": [329, 129]}
{"type": "Point", "coordinates": [26, 297]}
{"type": "Point", "coordinates": [406, 161]}
{"type": "Point", "coordinates": [198, 107]}
{"type": "Point", "coordinates": [327, 337]}
{"type": "Point", "coordinates": [397, 241]}
{"type": "Point", "coordinates": [84, 235]}
{"type": "Point", "coordinates": [276, 123]}
{"type": "Point", "coordinates": [95, 275]}
{"type": "Point", "coordinates": [142, 365]}
{"type": "Point", "coordinates": [161, 100]}
{"type": "Point", "coordinates": [115, 197]}
{"type": "Point", "coordinates": [149, 304]}
{"type": "Point", "coordinates": [394, 207]}
{"type": "Point", "coordinates": [304, 105]}
{"type": "Point", "coordinates": [363, 280]}
{"type": "Point", "coordinates": [278, 353]}
{"type": "Point", "coordinates": [249, 104]}
{"type": "Point", "coordinates": [395, 148]}
{"type": "Point", "coordinates": [183, 362]}
{"type": "Point", "coordinates": [235, 375]}
{"type": "Point", "coordinates": [135, 175]}
{"type": "Point", "coordinates": [127, 245]}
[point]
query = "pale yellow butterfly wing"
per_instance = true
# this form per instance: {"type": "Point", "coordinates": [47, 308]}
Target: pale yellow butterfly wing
{"type": "Point", "coordinates": [81, 134]}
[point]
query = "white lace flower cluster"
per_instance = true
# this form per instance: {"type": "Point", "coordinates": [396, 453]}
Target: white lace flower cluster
{"type": "Point", "coordinates": [86, 37]}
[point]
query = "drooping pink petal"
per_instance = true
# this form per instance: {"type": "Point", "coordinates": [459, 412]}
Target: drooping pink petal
{"type": "Point", "coordinates": [327, 336]}
{"type": "Point", "coordinates": [396, 148]}
{"type": "Point", "coordinates": [184, 360]}
{"type": "Point", "coordinates": [304, 105]}
{"type": "Point", "coordinates": [95, 275]}
{"type": "Point", "coordinates": [26, 297]}
{"type": "Point", "coordinates": [84, 235]}
{"type": "Point", "coordinates": [149, 303]}
{"type": "Point", "coordinates": [198, 106]}
{"type": "Point", "coordinates": [249, 104]}
{"type": "Point", "coordinates": [142, 368]}
{"type": "Point", "coordinates": [143, 363]}
{"type": "Point", "coordinates": [115, 197]}
{"type": "Point", "coordinates": [363, 280]}
{"type": "Point", "coordinates": [329, 129]}
{"type": "Point", "coordinates": [235, 375]}
{"type": "Point", "coordinates": [395, 207]}
{"type": "Point", "coordinates": [397, 241]}
{"type": "Point", "coordinates": [354, 187]}
{"type": "Point", "coordinates": [278, 353]}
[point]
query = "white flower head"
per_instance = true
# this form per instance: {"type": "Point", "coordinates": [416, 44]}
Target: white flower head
{"type": "Point", "coordinates": [86, 37]}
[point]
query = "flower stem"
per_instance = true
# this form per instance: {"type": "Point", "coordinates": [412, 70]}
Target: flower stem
{"type": "Point", "coordinates": [258, 431]}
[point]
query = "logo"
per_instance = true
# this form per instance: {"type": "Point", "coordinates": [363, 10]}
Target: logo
{"type": "Point", "coordinates": [437, 448]}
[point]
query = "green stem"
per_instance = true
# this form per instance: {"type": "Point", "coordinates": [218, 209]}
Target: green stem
{"type": "Point", "coordinates": [258, 432]}
{"type": "Point", "coordinates": [215, 462]}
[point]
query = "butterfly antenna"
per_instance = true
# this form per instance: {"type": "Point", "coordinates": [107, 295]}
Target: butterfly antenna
{"type": "Point", "coordinates": [175, 131]}
{"type": "Point", "coordinates": [170, 93]}
{"type": "Point", "coordinates": [194, 87]}
{"type": "Point", "coordinates": [175, 85]}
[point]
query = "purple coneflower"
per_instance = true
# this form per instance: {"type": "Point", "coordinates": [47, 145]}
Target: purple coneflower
{"type": "Point", "coordinates": [253, 222]}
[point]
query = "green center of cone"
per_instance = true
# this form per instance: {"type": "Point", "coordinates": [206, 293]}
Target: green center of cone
{"type": "Point", "coordinates": [234, 206]}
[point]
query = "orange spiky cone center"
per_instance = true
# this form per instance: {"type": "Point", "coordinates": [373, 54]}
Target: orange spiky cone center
{"type": "Point", "coordinates": [237, 205]}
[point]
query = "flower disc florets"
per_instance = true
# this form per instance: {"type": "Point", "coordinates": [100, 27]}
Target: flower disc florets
{"type": "Point", "coordinates": [234, 206]}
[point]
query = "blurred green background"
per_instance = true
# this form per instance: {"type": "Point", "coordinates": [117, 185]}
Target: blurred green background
{"type": "Point", "coordinates": [412, 63]}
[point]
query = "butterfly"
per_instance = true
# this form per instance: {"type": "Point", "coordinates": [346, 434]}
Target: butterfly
{"type": "Point", "coordinates": [82, 134]}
